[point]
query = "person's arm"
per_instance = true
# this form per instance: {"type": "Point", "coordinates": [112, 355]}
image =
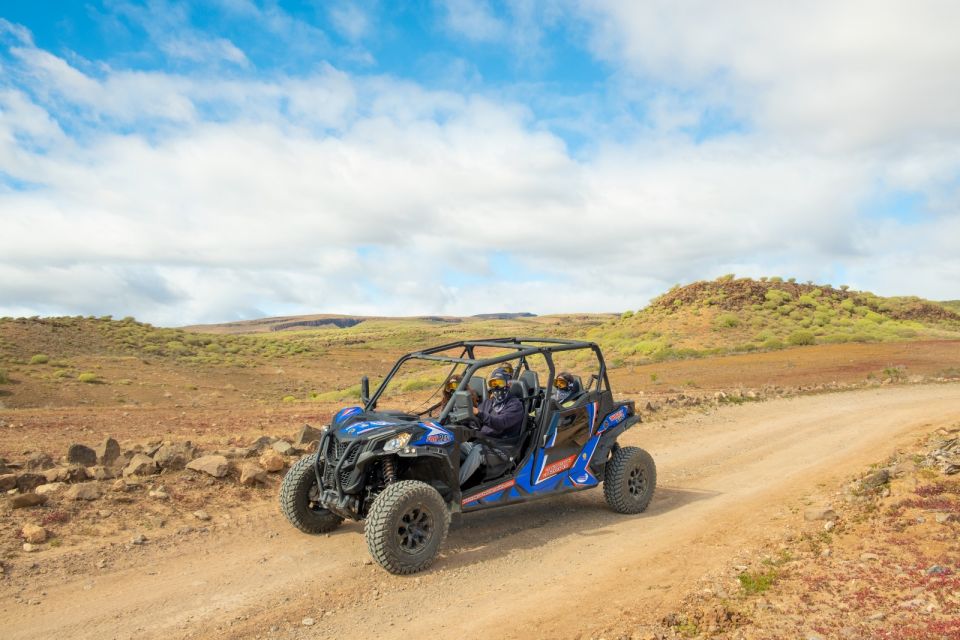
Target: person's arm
{"type": "Point", "coordinates": [496, 424]}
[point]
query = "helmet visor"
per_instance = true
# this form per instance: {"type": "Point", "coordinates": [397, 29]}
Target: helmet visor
{"type": "Point", "coordinates": [497, 383]}
{"type": "Point", "coordinates": [452, 384]}
{"type": "Point", "coordinates": [561, 383]}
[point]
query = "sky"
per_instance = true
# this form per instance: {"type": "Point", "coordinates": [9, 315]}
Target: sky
{"type": "Point", "coordinates": [216, 160]}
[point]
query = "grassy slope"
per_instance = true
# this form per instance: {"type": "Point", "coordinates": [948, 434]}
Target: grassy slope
{"type": "Point", "coordinates": [730, 315]}
{"type": "Point", "coordinates": [703, 318]}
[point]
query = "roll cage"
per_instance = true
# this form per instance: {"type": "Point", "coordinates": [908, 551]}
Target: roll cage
{"type": "Point", "coordinates": [517, 348]}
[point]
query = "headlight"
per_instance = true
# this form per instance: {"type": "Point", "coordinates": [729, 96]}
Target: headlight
{"type": "Point", "coordinates": [396, 443]}
{"type": "Point", "coordinates": [324, 429]}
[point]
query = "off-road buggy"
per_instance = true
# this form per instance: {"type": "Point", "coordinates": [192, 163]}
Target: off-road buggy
{"type": "Point", "coordinates": [398, 470]}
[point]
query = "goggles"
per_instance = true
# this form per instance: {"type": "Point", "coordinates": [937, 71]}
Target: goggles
{"type": "Point", "coordinates": [506, 366]}
{"type": "Point", "coordinates": [452, 384]}
{"type": "Point", "coordinates": [561, 383]}
{"type": "Point", "coordinates": [497, 383]}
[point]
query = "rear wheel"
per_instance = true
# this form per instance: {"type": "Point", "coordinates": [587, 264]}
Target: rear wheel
{"type": "Point", "coordinates": [406, 525]}
{"type": "Point", "coordinates": [300, 499]}
{"type": "Point", "coordinates": [629, 480]}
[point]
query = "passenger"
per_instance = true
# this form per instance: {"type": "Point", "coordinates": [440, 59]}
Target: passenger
{"type": "Point", "coordinates": [566, 388]}
{"type": "Point", "coordinates": [501, 417]}
{"type": "Point", "coordinates": [448, 388]}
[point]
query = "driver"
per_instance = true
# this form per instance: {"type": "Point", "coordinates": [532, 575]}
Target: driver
{"type": "Point", "coordinates": [501, 417]}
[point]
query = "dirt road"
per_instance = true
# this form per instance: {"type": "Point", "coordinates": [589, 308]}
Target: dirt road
{"type": "Point", "coordinates": [561, 568]}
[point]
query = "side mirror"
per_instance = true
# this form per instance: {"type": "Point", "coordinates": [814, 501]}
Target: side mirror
{"type": "Point", "coordinates": [461, 407]}
{"type": "Point", "coordinates": [365, 390]}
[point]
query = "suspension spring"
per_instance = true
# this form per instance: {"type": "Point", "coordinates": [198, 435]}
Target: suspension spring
{"type": "Point", "coordinates": [389, 471]}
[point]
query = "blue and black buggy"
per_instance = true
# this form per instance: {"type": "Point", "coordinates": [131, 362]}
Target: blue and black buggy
{"type": "Point", "coordinates": [398, 469]}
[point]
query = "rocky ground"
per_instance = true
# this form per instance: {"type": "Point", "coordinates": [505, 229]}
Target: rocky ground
{"type": "Point", "coordinates": [129, 496]}
{"type": "Point", "coordinates": [879, 558]}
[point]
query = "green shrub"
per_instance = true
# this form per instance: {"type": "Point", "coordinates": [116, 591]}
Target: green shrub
{"type": "Point", "coordinates": [753, 583]}
{"type": "Point", "coordinates": [289, 399]}
{"type": "Point", "coordinates": [87, 377]}
{"type": "Point", "coordinates": [4, 378]}
{"type": "Point", "coordinates": [61, 373]}
{"type": "Point", "coordinates": [798, 338]}
{"type": "Point", "coordinates": [772, 343]}
{"type": "Point", "coordinates": [39, 359]}
{"type": "Point", "coordinates": [728, 320]}
{"type": "Point", "coordinates": [626, 314]}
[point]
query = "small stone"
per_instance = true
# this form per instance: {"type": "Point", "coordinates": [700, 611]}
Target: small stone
{"type": "Point", "coordinates": [8, 481]}
{"type": "Point", "coordinates": [829, 525]}
{"type": "Point", "coordinates": [30, 547]}
{"type": "Point", "coordinates": [201, 515]}
{"type": "Point", "coordinates": [159, 494]}
{"type": "Point", "coordinates": [307, 436]}
{"type": "Point", "coordinates": [876, 479]}
{"type": "Point", "coordinates": [283, 447]}
{"type": "Point", "coordinates": [34, 534]}
{"type": "Point", "coordinates": [367, 562]}
{"type": "Point", "coordinates": [101, 473]}
{"type": "Point", "coordinates": [174, 455]}
{"type": "Point", "coordinates": [25, 500]}
{"type": "Point", "coordinates": [251, 474]}
{"type": "Point", "coordinates": [876, 617]}
{"type": "Point", "coordinates": [39, 460]}
{"type": "Point", "coordinates": [214, 465]}
{"type": "Point", "coordinates": [261, 443]}
{"type": "Point", "coordinates": [943, 518]}
{"type": "Point", "coordinates": [825, 553]}
{"type": "Point", "coordinates": [813, 636]}
{"type": "Point", "coordinates": [869, 556]}
{"type": "Point", "coordinates": [140, 465]}
{"type": "Point", "coordinates": [119, 485]}
{"type": "Point", "coordinates": [139, 539]}
{"type": "Point", "coordinates": [307, 622]}
{"type": "Point", "coordinates": [50, 488]}
{"type": "Point", "coordinates": [271, 461]}
{"type": "Point", "coordinates": [82, 455]}
{"type": "Point", "coordinates": [819, 513]}
{"type": "Point", "coordinates": [27, 482]}
{"type": "Point", "coordinates": [107, 452]}
{"type": "Point", "coordinates": [937, 570]}
{"type": "Point", "coordinates": [88, 491]}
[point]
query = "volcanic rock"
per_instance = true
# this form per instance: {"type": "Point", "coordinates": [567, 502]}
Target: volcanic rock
{"type": "Point", "coordinates": [81, 454]}
{"type": "Point", "coordinates": [271, 460]}
{"type": "Point", "coordinates": [216, 466]}
{"type": "Point", "coordinates": [27, 500]}
{"type": "Point", "coordinates": [108, 452]}
{"type": "Point", "coordinates": [140, 465]}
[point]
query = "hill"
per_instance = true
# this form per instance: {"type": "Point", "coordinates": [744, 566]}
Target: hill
{"type": "Point", "coordinates": [740, 315]}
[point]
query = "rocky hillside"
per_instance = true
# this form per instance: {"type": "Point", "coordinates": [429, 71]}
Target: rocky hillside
{"type": "Point", "coordinates": [737, 315]}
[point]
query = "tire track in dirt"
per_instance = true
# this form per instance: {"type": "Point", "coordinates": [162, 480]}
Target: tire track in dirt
{"type": "Point", "coordinates": [727, 481]}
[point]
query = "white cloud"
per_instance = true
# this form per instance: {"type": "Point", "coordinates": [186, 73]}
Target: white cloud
{"type": "Point", "coordinates": [473, 19]}
{"type": "Point", "coordinates": [368, 194]}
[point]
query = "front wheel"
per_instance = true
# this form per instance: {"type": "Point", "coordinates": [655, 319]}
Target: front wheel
{"type": "Point", "coordinates": [300, 499]}
{"type": "Point", "coordinates": [629, 480]}
{"type": "Point", "coordinates": [406, 525]}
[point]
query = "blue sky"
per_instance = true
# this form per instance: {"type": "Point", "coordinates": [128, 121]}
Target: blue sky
{"type": "Point", "coordinates": [206, 161]}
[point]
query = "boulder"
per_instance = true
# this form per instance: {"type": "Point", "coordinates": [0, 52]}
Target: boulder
{"type": "Point", "coordinates": [252, 474]}
{"type": "Point", "coordinates": [8, 481]}
{"type": "Point", "coordinates": [819, 513]}
{"type": "Point", "coordinates": [214, 465]}
{"type": "Point", "coordinates": [82, 455]}
{"type": "Point", "coordinates": [39, 460]}
{"type": "Point", "coordinates": [51, 488]}
{"type": "Point", "coordinates": [33, 534]}
{"type": "Point", "coordinates": [306, 437]}
{"type": "Point", "coordinates": [140, 465]}
{"type": "Point", "coordinates": [27, 500]}
{"type": "Point", "coordinates": [27, 482]}
{"type": "Point", "coordinates": [272, 461]}
{"type": "Point", "coordinates": [174, 455]}
{"type": "Point", "coordinates": [88, 491]}
{"type": "Point", "coordinates": [75, 473]}
{"type": "Point", "coordinates": [108, 452]}
{"type": "Point", "coordinates": [57, 474]}
{"type": "Point", "coordinates": [283, 447]}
